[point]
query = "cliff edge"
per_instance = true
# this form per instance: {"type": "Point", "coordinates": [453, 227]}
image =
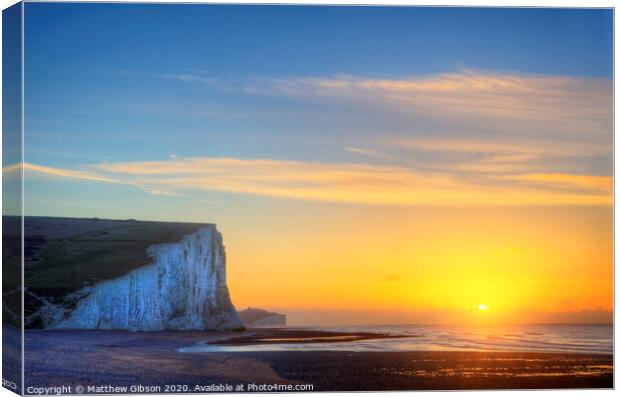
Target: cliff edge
{"type": "Point", "coordinates": [184, 288]}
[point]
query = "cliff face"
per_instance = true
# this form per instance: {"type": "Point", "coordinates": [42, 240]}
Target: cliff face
{"type": "Point", "coordinates": [185, 288]}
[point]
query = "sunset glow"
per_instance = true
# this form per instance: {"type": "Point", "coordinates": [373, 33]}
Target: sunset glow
{"type": "Point", "coordinates": [397, 175]}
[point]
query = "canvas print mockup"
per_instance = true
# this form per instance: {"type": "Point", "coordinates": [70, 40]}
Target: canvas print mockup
{"type": "Point", "coordinates": [242, 198]}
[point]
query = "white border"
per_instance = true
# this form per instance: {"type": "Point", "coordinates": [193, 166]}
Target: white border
{"type": "Point", "coordinates": [475, 3]}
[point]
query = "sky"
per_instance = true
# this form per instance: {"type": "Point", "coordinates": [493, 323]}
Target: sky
{"type": "Point", "coordinates": [364, 164]}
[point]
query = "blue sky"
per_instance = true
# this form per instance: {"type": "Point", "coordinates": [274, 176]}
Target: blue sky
{"type": "Point", "coordinates": [110, 84]}
{"type": "Point", "coordinates": [295, 40]}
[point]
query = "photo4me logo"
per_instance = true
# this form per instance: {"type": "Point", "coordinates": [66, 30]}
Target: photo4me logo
{"type": "Point", "coordinates": [265, 387]}
{"type": "Point", "coordinates": [9, 384]}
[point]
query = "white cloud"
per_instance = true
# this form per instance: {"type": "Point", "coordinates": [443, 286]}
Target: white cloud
{"type": "Point", "coordinates": [469, 94]}
{"type": "Point", "coordinates": [367, 152]}
{"type": "Point", "coordinates": [343, 182]}
{"type": "Point", "coordinates": [495, 141]}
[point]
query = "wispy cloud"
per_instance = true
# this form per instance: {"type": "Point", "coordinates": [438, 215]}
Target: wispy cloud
{"type": "Point", "coordinates": [499, 108]}
{"type": "Point", "coordinates": [502, 120]}
{"type": "Point", "coordinates": [69, 173]}
{"type": "Point", "coordinates": [602, 184]}
{"type": "Point", "coordinates": [469, 94]}
{"type": "Point", "coordinates": [367, 152]}
{"type": "Point", "coordinates": [541, 146]}
{"type": "Point", "coordinates": [475, 158]}
{"type": "Point", "coordinates": [342, 182]}
{"type": "Point", "coordinates": [34, 169]}
{"type": "Point", "coordinates": [11, 169]}
{"type": "Point", "coordinates": [495, 139]}
{"type": "Point", "coordinates": [563, 103]}
{"type": "Point", "coordinates": [189, 78]}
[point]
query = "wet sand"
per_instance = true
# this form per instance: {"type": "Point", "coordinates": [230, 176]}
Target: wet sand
{"type": "Point", "coordinates": [356, 371]}
{"type": "Point", "coordinates": [121, 358]}
{"type": "Point", "coordinates": [268, 336]}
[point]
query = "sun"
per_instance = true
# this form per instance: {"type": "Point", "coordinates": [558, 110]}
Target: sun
{"type": "Point", "coordinates": [483, 307]}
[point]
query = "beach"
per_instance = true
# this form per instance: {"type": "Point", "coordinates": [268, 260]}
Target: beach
{"type": "Point", "coordinates": [443, 370]}
{"type": "Point", "coordinates": [104, 360]}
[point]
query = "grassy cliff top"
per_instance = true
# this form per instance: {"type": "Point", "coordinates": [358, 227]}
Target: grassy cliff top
{"type": "Point", "coordinates": [65, 254]}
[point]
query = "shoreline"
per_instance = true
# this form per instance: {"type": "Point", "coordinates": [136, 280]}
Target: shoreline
{"type": "Point", "coordinates": [300, 339]}
{"type": "Point", "coordinates": [269, 336]}
{"type": "Point", "coordinates": [124, 358]}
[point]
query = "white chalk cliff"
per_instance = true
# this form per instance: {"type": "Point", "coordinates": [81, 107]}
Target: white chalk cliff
{"type": "Point", "coordinates": [183, 289]}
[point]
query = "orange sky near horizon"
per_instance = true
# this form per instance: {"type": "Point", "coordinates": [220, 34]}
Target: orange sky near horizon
{"type": "Point", "coordinates": [430, 262]}
{"type": "Point", "coordinates": [330, 263]}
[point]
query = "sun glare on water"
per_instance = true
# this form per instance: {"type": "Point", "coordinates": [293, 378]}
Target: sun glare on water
{"type": "Point", "coordinates": [483, 307]}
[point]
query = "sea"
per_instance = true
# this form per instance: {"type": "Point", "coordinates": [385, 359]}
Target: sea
{"type": "Point", "coordinates": [557, 338]}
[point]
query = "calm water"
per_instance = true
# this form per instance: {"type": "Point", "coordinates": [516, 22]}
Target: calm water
{"type": "Point", "coordinates": [534, 338]}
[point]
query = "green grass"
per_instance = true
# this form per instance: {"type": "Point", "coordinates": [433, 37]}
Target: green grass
{"type": "Point", "coordinates": [71, 263]}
